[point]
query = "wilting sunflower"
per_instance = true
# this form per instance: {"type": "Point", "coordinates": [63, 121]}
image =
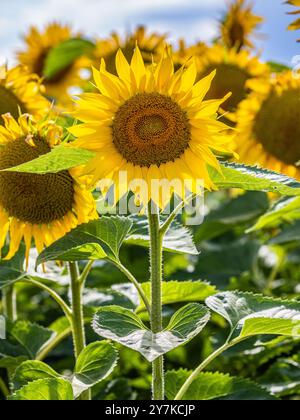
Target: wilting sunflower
{"type": "Point", "coordinates": [296, 24]}
{"type": "Point", "coordinates": [269, 126]}
{"type": "Point", "coordinates": [151, 123]}
{"type": "Point", "coordinates": [151, 46]}
{"type": "Point", "coordinates": [238, 24]}
{"type": "Point", "coordinates": [39, 45]}
{"type": "Point", "coordinates": [21, 91]}
{"type": "Point", "coordinates": [235, 70]}
{"type": "Point", "coordinates": [39, 207]}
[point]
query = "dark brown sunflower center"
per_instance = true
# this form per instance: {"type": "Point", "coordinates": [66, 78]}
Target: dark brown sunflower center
{"type": "Point", "coordinates": [9, 103]}
{"type": "Point", "coordinates": [36, 199]}
{"type": "Point", "coordinates": [277, 126]}
{"type": "Point", "coordinates": [236, 35]}
{"type": "Point", "coordinates": [151, 129]}
{"type": "Point", "coordinates": [229, 78]}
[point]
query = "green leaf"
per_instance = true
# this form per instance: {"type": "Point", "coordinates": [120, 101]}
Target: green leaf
{"type": "Point", "coordinates": [283, 377]}
{"type": "Point", "coordinates": [252, 178]}
{"type": "Point", "coordinates": [12, 270]}
{"type": "Point", "coordinates": [30, 371]}
{"type": "Point", "coordinates": [92, 241]}
{"type": "Point", "coordinates": [94, 364]}
{"type": "Point", "coordinates": [59, 159]}
{"type": "Point", "coordinates": [24, 339]}
{"type": "Point", "coordinates": [45, 390]}
{"type": "Point", "coordinates": [219, 262]}
{"type": "Point", "coordinates": [242, 209]}
{"type": "Point", "coordinates": [125, 327]}
{"type": "Point", "coordinates": [285, 210]}
{"type": "Point", "coordinates": [212, 386]}
{"type": "Point", "coordinates": [181, 291]}
{"type": "Point", "coordinates": [250, 315]}
{"type": "Point", "coordinates": [287, 235]}
{"type": "Point", "coordinates": [178, 238]}
{"type": "Point", "coordinates": [63, 55]}
{"type": "Point", "coordinates": [278, 67]}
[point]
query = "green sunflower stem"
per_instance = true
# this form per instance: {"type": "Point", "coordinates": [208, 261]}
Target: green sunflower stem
{"type": "Point", "coordinates": [156, 260]}
{"type": "Point", "coordinates": [78, 330]}
{"type": "Point", "coordinates": [9, 303]}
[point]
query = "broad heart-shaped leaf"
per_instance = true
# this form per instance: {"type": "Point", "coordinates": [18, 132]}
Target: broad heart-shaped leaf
{"type": "Point", "coordinates": [24, 339]}
{"type": "Point", "coordinates": [214, 386]}
{"type": "Point", "coordinates": [181, 291]}
{"type": "Point", "coordinates": [95, 240]}
{"type": "Point", "coordinates": [11, 271]}
{"type": "Point", "coordinates": [250, 315]}
{"type": "Point", "coordinates": [252, 178]}
{"type": "Point", "coordinates": [234, 212]}
{"type": "Point", "coordinates": [125, 327]}
{"type": "Point", "coordinates": [30, 371]}
{"type": "Point", "coordinates": [283, 377]}
{"type": "Point", "coordinates": [285, 210]}
{"type": "Point", "coordinates": [64, 54]}
{"type": "Point", "coordinates": [94, 364]}
{"type": "Point", "coordinates": [45, 390]}
{"type": "Point", "coordinates": [60, 158]}
{"type": "Point", "coordinates": [178, 238]}
{"type": "Point", "coordinates": [289, 234]}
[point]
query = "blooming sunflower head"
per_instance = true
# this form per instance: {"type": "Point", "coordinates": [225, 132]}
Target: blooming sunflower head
{"type": "Point", "coordinates": [151, 46]}
{"type": "Point", "coordinates": [296, 24]}
{"type": "Point", "coordinates": [238, 25]}
{"type": "Point", "coordinates": [235, 72]}
{"type": "Point", "coordinates": [32, 206]}
{"type": "Point", "coordinates": [21, 91]}
{"type": "Point", "coordinates": [39, 45]}
{"type": "Point", "coordinates": [151, 123]}
{"type": "Point", "coordinates": [269, 126]}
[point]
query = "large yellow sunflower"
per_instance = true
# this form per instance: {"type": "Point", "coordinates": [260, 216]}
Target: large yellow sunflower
{"type": "Point", "coordinates": [269, 126]}
{"type": "Point", "coordinates": [42, 207]}
{"type": "Point", "coordinates": [151, 124]}
{"type": "Point", "coordinates": [151, 46]}
{"type": "Point", "coordinates": [21, 91]}
{"type": "Point", "coordinates": [235, 70]}
{"type": "Point", "coordinates": [238, 24]}
{"type": "Point", "coordinates": [296, 24]}
{"type": "Point", "coordinates": [39, 44]}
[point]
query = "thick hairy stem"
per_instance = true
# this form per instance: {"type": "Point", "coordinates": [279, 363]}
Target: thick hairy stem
{"type": "Point", "coordinates": [9, 303]}
{"type": "Point", "coordinates": [78, 330]}
{"type": "Point", "coordinates": [156, 296]}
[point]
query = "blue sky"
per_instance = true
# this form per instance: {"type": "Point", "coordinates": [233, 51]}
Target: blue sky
{"type": "Point", "coordinates": [192, 19]}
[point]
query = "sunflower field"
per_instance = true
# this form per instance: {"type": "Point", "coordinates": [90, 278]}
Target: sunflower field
{"type": "Point", "coordinates": [150, 217]}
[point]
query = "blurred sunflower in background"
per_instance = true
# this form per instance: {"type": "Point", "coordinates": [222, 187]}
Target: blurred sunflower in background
{"type": "Point", "coordinates": [239, 24]}
{"type": "Point", "coordinates": [235, 71]}
{"type": "Point", "coordinates": [21, 92]}
{"type": "Point", "coordinates": [151, 46]}
{"type": "Point", "coordinates": [152, 123]}
{"type": "Point", "coordinates": [53, 203]}
{"type": "Point", "coordinates": [269, 126]}
{"type": "Point", "coordinates": [296, 24]}
{"type": "Point", "coordinates": [39, 45]}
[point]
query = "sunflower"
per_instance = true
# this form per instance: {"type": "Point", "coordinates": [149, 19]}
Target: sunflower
{"type": "Point", "coordinates": [269, 126]}
{"type": "Point", "coordinates": [151, 124]}
{"type": "Point", "coordinates": [21, 91]}
{"type": "Point", "coordinates": [296, 24]}
{"type": "Point", "coordinates": [151, 46]}
{"type": "Point", "coordinates": [238, 25]}
{"type": "Point", "coordinates": [235, 72]}
{"type": "Point", "coordinates": [39, 207]}
{"type": "Point", "coordinates": [39, 45]}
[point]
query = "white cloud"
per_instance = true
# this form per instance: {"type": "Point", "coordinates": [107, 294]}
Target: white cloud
{"type": "Point", "coordinates": [100, 17]}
